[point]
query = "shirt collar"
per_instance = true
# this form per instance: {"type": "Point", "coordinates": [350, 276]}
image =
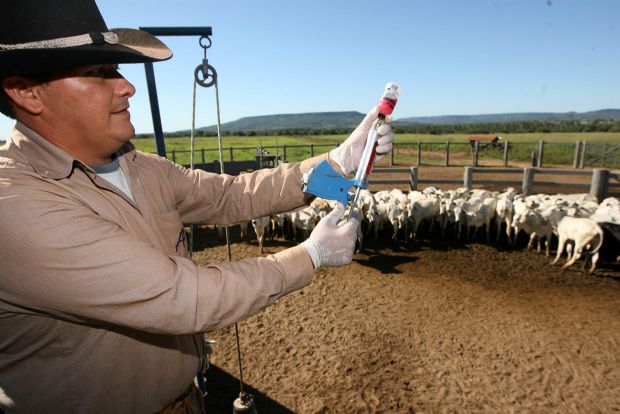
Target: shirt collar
{"type": "Point", "coordinates": [47, 159]}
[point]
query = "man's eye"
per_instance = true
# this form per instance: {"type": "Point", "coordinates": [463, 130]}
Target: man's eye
{"type": "Point", "coordinates": [104, 71]}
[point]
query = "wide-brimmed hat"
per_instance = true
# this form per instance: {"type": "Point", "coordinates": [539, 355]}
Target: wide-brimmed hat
{"type": "Point", "coordinates": [42, 35]}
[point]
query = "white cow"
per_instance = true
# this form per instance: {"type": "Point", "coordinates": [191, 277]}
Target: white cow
{"type": "Point", "coordinates": [474, 214]}
{"type": "Point", "coordinates": [366, 206]}
{"type": "Point", "coordinates": [282, 225]}
{"type": "Point", "coordinates": [482, 216]}
{"type": "Point", "coordinates": [221, 230]}
{"type": "Point", "coordinates": [464, 215]}
{"type": "Point", "coordinates": [304, 219]}
{"type": "Point", "coordinates": [261, 225]}
{"type": "Point", "coordinates": [388, 210]}
{"type": "Point", "coordinates": [321, 207]}
{"type": "Point", "coordinates": [583, 232]}
{"type": "Point", "coordinates": [607, 211]}
{"type": "Point", "coordinates": [450, 214]}
{"type": "Point", "coordinates": [423, 209]}
{"type": "Point", "coordinates": [504, 212]}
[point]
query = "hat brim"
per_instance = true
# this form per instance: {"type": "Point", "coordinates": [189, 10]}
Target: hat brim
{"type": "Point", "coordinates": [135, 46]}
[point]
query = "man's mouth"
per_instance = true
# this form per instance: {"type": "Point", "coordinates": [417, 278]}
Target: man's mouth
{"type": "Point", "coordinates": [121, 109]}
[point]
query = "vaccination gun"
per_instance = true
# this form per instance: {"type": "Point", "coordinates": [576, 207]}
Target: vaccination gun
{"type": "Point", "coordinates": [326, 183]}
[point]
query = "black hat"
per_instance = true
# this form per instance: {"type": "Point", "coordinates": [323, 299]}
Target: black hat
{"type": "Point", "coordinates": [41, 35]}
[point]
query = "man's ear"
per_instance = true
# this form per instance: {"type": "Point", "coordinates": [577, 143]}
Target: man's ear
{"type": "Point", "coordinates": [24, 93]}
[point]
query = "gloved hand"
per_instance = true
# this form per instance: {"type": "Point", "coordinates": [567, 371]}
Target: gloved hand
{"type": "Point", "coordinates": [331, 244]}
{"type": "Point", "coordinates": [348, 154]}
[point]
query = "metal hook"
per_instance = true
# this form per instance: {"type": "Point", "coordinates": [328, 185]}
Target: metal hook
{"type": "Point", "coordinates": [205, 47]}
{"type": "Point", "coordinates": [205, 74]}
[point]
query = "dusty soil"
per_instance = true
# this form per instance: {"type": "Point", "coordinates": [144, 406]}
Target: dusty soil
{"type": "Point", "coordinates": [427, 326]}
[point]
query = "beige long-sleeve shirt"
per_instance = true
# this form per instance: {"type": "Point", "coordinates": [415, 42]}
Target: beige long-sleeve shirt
{"type": "Point", "coordinates": [100, 308]}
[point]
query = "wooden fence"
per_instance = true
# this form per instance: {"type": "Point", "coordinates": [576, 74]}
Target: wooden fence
{"type": "Point", "coordinates": [603, 183]}
{"type": "Point", "coordinates": [579, 154]}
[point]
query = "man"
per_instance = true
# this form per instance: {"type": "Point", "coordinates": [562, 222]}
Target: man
{"type": "Point", "coordinates": [100, 308]}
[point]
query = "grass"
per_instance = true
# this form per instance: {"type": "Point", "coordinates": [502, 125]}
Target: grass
{"type": "Point", "coordinates": [559, 147]}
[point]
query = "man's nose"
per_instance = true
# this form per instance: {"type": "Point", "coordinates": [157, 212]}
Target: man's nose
{"type": "Point", "coordinates": [126, 88]}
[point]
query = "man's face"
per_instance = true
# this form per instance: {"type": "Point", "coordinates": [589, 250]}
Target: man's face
{"type": "Point", "coordinates": [87, 108]}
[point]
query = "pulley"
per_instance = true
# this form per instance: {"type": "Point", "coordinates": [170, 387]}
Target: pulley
{"type": "Point", "coordinates": [206, 76]}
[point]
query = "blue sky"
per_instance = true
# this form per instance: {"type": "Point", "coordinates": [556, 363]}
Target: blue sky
{"type": "Point", "coordinates": [451, 57]}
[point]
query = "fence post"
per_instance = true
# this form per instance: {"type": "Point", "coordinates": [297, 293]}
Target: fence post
{"type": "Point", "coordinates": [599, 184]}
{"type": "Point", "coordinates": [528, 180]}
{"type": "Point", "coordinates": [174, 156]}
{"type": "Point", "coordinates": [419, 153]}
{"type": "Point", "coordinates": [506, 153]}
{"type": "Point", "coordinates": [576, 156]}
{"type": "Point", "coordinates": [468, 177]}
{"type": "Point", "coordinates": [311, 150]}
{"type": "Point", "coordinates": [259, 150]}
{"type": "Point", "coordinates": [447, 161]}
{"type": "Point", "coordinates": [541, 149]}
{"type": "Point", "coordinates": [231, 154]}
{"type": "Point", "coordinates": [475, 156]}
{"type": "Point", "coordinates": [284, 153]}
{"type": "Point", "coordinates": [202, 155]}
{"type": "Point", "coordinates": [413, 179]}
{"type": "Point", "coordinates": [584, 150]}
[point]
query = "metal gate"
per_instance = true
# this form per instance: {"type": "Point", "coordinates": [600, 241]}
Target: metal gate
{"type": "Point", "coordinates": [601, 154]}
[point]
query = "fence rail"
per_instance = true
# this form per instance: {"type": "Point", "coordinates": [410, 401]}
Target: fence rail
{"type": "Point", "coordinates": [602, 183]}
{"type": "Point", "coordinates": [579, 154]}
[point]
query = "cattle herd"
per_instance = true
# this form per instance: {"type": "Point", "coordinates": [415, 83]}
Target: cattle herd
{"type": "Point", "coordinates": [574, 220]}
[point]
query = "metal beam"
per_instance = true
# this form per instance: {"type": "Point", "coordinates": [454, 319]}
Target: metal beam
{"type": "Point", "coordinates": [179, 31]}
{"type": "Point", "coordinates": [150, 76]}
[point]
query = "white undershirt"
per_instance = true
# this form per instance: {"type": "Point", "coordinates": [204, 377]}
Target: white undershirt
{"type": "Point", "coordinates": [112, 173]}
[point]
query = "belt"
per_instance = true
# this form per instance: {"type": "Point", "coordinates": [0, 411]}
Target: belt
{"type": "Point", "coordinates": [190, 402]}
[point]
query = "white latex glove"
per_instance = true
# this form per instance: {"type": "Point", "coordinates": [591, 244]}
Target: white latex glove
{"type": "Point", "coordinates": [348, 154]}
{"type": "Point", "coordinates": [331, 244]}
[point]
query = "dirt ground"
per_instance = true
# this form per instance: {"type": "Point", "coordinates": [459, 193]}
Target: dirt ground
{"type": "Point", "coordinates": [428, 326]}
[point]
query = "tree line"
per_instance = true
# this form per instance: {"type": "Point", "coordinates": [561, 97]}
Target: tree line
{"type": "Point", "coordinates": [476, 128]}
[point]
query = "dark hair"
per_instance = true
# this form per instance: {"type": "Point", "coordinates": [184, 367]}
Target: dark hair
{"type": "Point", "coordinates": [6, 103]}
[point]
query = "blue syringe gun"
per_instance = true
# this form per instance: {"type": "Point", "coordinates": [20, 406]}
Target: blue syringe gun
{"type": "Point", "coordinates": [326, 183]}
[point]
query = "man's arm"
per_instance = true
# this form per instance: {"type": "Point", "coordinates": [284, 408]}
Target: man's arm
{"type": "Point", "coordinates": [203, 197]}
{"type": "Point", "coordinates": [60, 258]}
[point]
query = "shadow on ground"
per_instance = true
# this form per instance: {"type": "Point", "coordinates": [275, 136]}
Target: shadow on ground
{"type": "Point", "coordinates": [223, 389]}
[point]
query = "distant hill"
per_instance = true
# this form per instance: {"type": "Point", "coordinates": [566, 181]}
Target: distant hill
{"type": "Point", "coordinates": [325, 120]}
{"type": "Point", "coordinates": [313, 120]}
{"type": "Point", "coordinates": [604, 114]}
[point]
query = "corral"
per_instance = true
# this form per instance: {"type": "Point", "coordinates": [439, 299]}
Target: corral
{"type": "Point", "coordinates": [431, 325]}
{"type": "Point", "coordinates": [428, 327]}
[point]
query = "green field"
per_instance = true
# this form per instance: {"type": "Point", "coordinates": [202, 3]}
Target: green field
{"type": "Point", "coordinates": [433, 146]}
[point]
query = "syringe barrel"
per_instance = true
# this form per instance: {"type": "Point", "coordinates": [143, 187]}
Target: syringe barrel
{"type": "Point", "coordinates": [386, 106]}
{"type": "Point", "coordinates": [367, 156]}
{"type": "Point", "coordinates": [388, 101]}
